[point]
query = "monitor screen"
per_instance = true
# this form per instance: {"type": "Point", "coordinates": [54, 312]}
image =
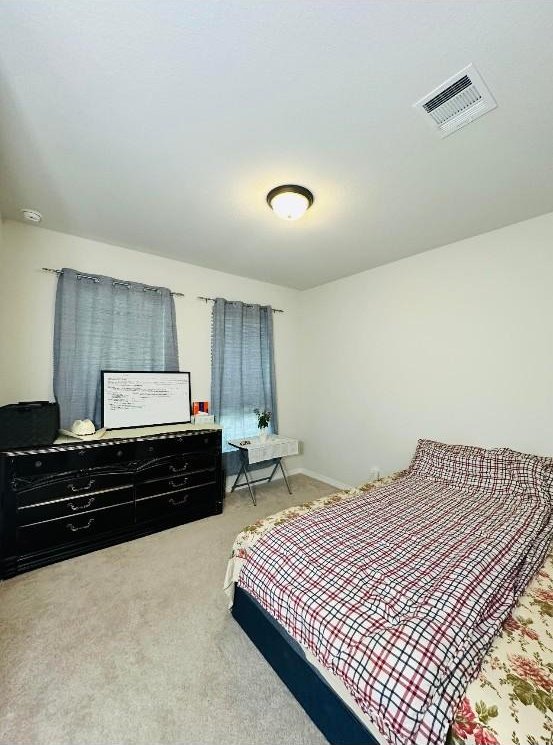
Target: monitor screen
{"type": "Point", "coordinates": [142, 399]}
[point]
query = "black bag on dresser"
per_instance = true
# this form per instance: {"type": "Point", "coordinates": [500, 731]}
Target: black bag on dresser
{"type": "Point", "coordinates": [28, 424]}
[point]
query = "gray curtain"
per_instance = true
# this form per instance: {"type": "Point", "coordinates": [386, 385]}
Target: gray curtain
{"type": "Point", "coordinates": [106, 324]}
{"type": "Point", "coordinates": [242, 371]}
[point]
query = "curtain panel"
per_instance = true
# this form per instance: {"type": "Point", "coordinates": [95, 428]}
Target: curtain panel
{"type": "Point", "coordinates": [242, 372]}
{"type": "Point", "coordinates": [103, 323]}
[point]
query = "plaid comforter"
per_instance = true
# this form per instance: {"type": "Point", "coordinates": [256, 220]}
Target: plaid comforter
{"type": "Point", "coordinates": [400, 592]}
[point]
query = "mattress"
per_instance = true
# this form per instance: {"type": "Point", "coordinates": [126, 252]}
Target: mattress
{"type": "Point", "coordinates": [511, 700]}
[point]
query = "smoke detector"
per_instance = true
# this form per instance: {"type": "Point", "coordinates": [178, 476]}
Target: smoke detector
{"type": "Point", "coordinates": [31, 215]}
{"type": "Point", "coordinates": [457, 102]}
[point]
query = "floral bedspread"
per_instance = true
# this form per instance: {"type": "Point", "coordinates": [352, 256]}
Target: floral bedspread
{"type": "Point", "coordinates": [511, 700]}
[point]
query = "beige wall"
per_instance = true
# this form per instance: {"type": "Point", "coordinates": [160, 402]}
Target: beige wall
{"type": "Point", "coordinates": [28, 310]}
{"type": "Point", "coordinates": [454, 344]}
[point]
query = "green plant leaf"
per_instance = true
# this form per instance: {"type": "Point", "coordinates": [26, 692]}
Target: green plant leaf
{"type": "Point", "coordinates": [538, 703]}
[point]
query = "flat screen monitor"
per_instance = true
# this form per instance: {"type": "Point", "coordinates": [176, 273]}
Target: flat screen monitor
{"type": "Point", "coordinates": [144, 399]}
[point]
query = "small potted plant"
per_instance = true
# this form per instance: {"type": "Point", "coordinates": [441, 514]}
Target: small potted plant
{"type": "Point", "coordinates": [263, 419]}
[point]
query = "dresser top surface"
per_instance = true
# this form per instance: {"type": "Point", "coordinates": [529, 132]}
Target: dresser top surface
{"type": "Point", "coordinates": [136, 434]}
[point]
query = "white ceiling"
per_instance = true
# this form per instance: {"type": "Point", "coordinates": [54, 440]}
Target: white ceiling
{"type": "Point", "coordinates": [162, 125]}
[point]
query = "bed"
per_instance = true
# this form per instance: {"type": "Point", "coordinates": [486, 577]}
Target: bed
{"type": "Point", "coordinates": [500, 682]}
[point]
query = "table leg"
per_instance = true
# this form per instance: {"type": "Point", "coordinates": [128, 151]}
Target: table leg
{"type": "Point", "coordinates": [252, 492]}
{"type": "Point", "coordinates": [274, 470]}
{"type": "Point", "coordinates": [238, 476]}
{"type": "Point", "coordinates": [284, 474]}
{"type": "Point", "coordinates": [277, 464]}
{"type": "Point", "coordinates": [244, 470]}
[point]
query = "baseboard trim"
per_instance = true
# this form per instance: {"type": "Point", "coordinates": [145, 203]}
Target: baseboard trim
{"type": "Point", "coordinates": [294, 472]}
{"type": "Point", "coordinates": [324, 479]}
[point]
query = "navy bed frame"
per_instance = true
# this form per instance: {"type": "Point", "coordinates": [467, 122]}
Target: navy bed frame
{"type": "Point", "coordinates": [332, 716]}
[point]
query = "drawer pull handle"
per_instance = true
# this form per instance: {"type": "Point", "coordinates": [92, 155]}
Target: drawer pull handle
{"type": "Point", "coordinates": [74, 528]}
{"type": "Point", "coordinates": [176, 469]}
{"type": "Point", "coordinates": [81, 488]}
{"type": "Point", "coordinates": [177, 502]}
{"type": "Point", "coordinates": [176, 484]}
{"type": "Point", "coordinates": [77, 507]}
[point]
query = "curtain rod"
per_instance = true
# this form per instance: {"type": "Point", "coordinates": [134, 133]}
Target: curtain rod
{"type": "Point", "coordinates": [91, 276]}
{"type": "Point", "coordinates": [212, 300]}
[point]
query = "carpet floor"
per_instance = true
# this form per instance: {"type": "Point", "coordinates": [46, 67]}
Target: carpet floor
{"type": "Point", "coordinates": [135, 644]}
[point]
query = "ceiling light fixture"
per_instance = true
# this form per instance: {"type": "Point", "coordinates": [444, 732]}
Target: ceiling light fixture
{"type": "Point", "coordinates": [290, 201]}
{"type": "Point", "coordinates": [31, 215]}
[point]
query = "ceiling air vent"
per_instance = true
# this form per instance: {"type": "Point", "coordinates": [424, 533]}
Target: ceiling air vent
{"type": "Point", "coordinates": [456, 102]}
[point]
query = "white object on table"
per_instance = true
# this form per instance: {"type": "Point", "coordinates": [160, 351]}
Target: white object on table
{"type": "Point", "coordinates": [202, 418]}
{"type": "Point", "coordinates": [96, 435]}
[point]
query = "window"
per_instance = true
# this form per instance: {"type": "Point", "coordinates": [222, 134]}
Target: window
{"type": "Point", "coordinates": [104, 323]}
{"type": "Point", "coordinates": [242, 372]}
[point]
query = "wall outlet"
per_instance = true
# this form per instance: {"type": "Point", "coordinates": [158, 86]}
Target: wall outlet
{"type": "Point", "coordinates": [374, 473]}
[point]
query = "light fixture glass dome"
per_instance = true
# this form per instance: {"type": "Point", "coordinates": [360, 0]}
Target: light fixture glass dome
{"type": "Point", "coordinates": [290, 202]}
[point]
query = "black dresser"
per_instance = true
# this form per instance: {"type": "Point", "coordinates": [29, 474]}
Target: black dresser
{"type": "Point", "coordinates": [65, 500]}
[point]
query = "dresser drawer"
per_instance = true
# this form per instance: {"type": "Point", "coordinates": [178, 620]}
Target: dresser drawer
{"type": "Point", "coordinates": [72, 529]}
{"type": "Point", "coordinates": [67, 499]}
{"type": "Point", "coordinates": [72, 506]}
{"type": "Point", "coordinates": [57, 486]}
{"type": "Point", "coordinates": [175, 465]}
{"type": "Point", "coordinates": [59, 460]}
{"type": "Point", "coordinates": [179, 503]}
{"type": "Point", "coordinates": [187, 442]}
{"type": "Point", "coordinates": [109, 453]}
{"type": "Point", "coordinates": [179, 481]}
